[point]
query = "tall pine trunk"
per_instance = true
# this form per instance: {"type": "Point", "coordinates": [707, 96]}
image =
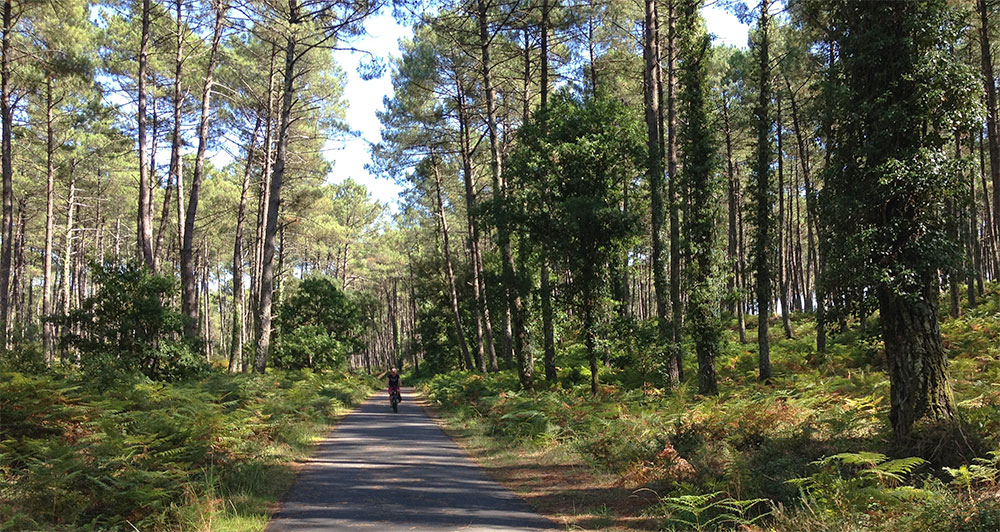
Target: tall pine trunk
{"type": "Point", "coordinates": [239, 298]}
{"type": "Point", "coordinates": [176, 162]}
{"type": "Point", "coordinates": [733, 249]}
{"type": "Point", "coordinates": [68, 245]}
{"type": "Point", "coordinates": [144, 229]}
{"type": "Point", "coordinates": [545, 283]}
{"type": "Point", "coordinates": [449, 270]}
{"type": "Point", "coordinates": [811, 260]}
{"type": "Point", "coordinates": [514, 339]}
{"type": "Point", "coordinates": [48, 332]}
{"type": "Point", "coordinates": [783, 251]}
{"type": "Point", "coordinates": [992, 126]}
{"type": "Point", "coordinates": [675, 366]}
{"type": "Point", "coordinates": [763, 197]}
{"type": "Point", "coordinates": [189, 305]}
{"type": "Point", "coordinates": [267, 274]}
{"type": "Point", "coordinates": [7, 219]}
{"type": "Point", "coordinates": [475, 246]}
{"type": "Point", "coordinates": [263, 200]}
{"type": "Point", "coordinates": [654, 169]}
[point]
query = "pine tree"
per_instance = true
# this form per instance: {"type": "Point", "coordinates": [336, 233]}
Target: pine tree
{"type": "Point", "coordinates": [894, 90]}
{"type": "Point", "coordinates": [699, 163]}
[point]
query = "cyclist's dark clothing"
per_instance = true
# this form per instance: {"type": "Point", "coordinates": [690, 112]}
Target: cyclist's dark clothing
{"type": "Point", "coordinates": [393, 381]}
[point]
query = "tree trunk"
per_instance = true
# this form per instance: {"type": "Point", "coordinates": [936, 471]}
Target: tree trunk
{"type": "Point", "coordinates": [263, 200]}
{"type": "Point", "coordinates": [590, 53]}
{"type": "Point", "coordinates": [413, 314]}
{"type": "Point", "coordinates": [654, 169]}
{"type": "Point", "coordinates": [144, 229]}
{"type": "Point", "coordinates": [68, 246]}
{"type": "Point", "coordinates": [456, 313]}
{"type": "Point", "coordinates": [782, 251]}
{"type": "Point", "coordinates": [991, 235]}
{"type": "Point", "coordinates": [589, 326]}
{"type": "Point", "coordinates": [48, 333]}
{"type": "Point", "coordinates": [731, 240]}
{"type": "Point", "coordinates": [735, 288]}
{"type": "Point", "coordinates": [917, 361]}
{"type": "Point", "coordinates": [763, 193]}
{"type": "Point", "coordinates": [675, 366]}
{"type": "Point", "coordinates": [545, 284]}
{"type": "Point", "coordinates": [516, 330]}
{"type": "Point", "coordinates": [811, 261]}
{"type": "Point", "coordinates": [954, 232]}
{"type": "Point", "coordinates": [17, 283]}
{"type": "Point", "coordinates": [973, 228]}
{"type": "Point", "coordinates": [992, 126]}
{"type": "Point", "coordinates": [274, 197]}
{"type": "Point", "coordinates": [154, 182]}
{"type": "Point", "coordinates": [207, 325]}
{"type": "Point", "coordinates": [164, 218]}
{"type": "Point", "coordinates": [239, 299]}
{"type": "Point", "coordinates": [189, 305]}
{"type": "Point", "coordinates": [394, 316]}
{"type": "Point", "coordinates": [741, 266]}
{"type": "Point", "coordinates": [813, 210]}
{"type": "Point", "coordinates": [7, 222]}
{"type": "Point", "coordinates": [279, 272]}
{"type": "Point", "coordinates": [176, 162]}
{"type": "Point", "coordinates": [478, 276]}
{"type": "Point", "coordinates": [800, 268]}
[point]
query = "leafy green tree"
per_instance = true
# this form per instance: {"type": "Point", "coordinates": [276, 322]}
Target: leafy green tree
{"type": "Point", "coordinates": [319, 326]}
{"type": "Point", "coordinates": [566, 169]}
{"type": "Point", "coordinates": [305, 29]}
{"type": "Point", "coordinates": [896, 96]}
{"type": "Point", "coordinates": [127, 328]}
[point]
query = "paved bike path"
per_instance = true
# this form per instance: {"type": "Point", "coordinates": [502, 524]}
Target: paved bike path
{"type": "Point", "coordinates": [398, 472]}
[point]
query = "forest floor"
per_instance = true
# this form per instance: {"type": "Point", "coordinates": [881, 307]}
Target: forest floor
{"type": "Point", "coordinates": [811, 451]}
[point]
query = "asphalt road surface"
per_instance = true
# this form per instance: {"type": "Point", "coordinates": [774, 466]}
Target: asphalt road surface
{"type": "Point", "coordinates": [393, 472]}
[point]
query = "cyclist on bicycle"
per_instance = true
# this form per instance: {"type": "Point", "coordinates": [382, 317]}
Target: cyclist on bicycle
{"type": "Point", "coordinates": [394, 383]}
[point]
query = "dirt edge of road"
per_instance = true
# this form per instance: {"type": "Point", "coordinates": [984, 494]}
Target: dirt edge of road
{"type": "Point", "coordinates": [563, 490]}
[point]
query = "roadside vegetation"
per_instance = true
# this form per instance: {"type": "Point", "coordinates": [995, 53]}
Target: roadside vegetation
{"type": "Point", "coordinates": [131, 430]}
{"type": "Point", "coordinates": [212, 454]}
{"type": "Point", "coordinates": [811, 451]}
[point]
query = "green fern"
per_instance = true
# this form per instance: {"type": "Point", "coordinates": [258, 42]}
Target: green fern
{"type": "Point", "coordinates": [710, 511]}
{"type": "Point", "coordinates": [869, 477]}
{"type": "Point", "coordinates": [982, 472]}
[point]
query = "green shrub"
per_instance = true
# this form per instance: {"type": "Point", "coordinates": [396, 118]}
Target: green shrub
{"type": "Point", "coordinates": [25, 356]}
{"type": "Point", "coordinates": [309, 346]}
{"type": "Point", "coordinates": [127, 328]}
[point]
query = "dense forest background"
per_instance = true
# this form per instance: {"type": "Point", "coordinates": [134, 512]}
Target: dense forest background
{"type": "Point", "coordinates": [597, 197]}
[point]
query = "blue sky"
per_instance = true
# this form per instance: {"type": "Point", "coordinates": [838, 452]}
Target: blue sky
{"type": "Point", "coordinates": [365, 97]}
